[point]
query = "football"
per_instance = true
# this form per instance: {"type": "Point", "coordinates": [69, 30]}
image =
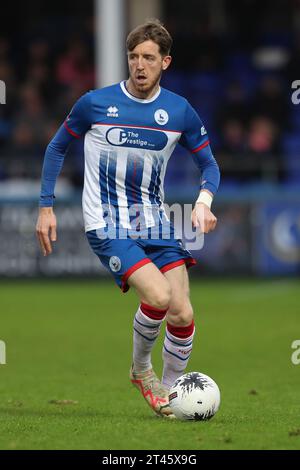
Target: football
{"type": "Point", "coordinates": [194, 396]}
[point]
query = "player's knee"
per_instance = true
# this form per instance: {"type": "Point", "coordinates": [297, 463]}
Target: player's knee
{"type": "Point", "coordinates": [161, 297]}
{"type": "Point", "coordinates": [181, 315]}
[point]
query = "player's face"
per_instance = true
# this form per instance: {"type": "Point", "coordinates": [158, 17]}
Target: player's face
{"type": "Point", "coordinates": [146, 65]}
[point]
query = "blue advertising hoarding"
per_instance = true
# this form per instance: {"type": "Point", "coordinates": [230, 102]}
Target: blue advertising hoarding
{"type": "Point", "coordinates": [276, 238]}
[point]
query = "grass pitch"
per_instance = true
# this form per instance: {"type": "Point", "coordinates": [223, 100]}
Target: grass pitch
{"type": "Point", "coordinates": [72, 341]}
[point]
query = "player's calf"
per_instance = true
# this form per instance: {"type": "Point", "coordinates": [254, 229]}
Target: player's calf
{"type": "Point", "coordinates": [180, 314]}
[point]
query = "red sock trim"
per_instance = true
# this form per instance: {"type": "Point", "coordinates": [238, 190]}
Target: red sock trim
{"type": "Point", "coordinates": [152, 312]}
{"type": "Point", "coordinates": [181, 332]}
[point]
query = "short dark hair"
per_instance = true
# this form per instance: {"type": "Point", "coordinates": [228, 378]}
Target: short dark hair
{"type": "Point", "coordinates": [152, 30]}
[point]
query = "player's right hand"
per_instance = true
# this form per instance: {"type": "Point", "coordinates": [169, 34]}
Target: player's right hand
{"type": "Point", "coordinates": [46, 224]}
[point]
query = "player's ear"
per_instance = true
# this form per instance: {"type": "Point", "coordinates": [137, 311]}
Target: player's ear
{"type": "Point", "coordinates": [166, 62]}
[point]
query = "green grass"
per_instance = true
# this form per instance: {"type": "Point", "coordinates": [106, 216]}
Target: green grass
{"type": "Point", "coordinates": [72, 340]}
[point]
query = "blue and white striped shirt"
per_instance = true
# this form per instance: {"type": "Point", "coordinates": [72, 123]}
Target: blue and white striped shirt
{"type": "Point", "coordinates": [128, 142]}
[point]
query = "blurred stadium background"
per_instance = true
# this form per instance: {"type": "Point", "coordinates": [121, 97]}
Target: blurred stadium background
{"type": "Point", "coordinates": [234, 60]}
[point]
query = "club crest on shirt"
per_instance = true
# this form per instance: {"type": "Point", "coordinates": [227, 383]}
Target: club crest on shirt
{"type": "Point", "coordinates": [115, 263]}
{"type": "Point", "coordinates": [161, 117]}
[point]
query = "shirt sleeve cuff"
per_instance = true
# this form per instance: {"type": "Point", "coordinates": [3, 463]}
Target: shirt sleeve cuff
{"type": "Point", "coordinates": [210, 187]}
{"type": "Point", "coordinates": [46, 201]}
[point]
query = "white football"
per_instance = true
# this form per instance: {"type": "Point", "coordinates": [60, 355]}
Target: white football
{"type": "Point", "coordinates": [194, 396]}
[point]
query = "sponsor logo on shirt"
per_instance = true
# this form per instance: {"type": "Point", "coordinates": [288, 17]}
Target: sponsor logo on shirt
{"type": "Point", "coordinates": [203, 130]}
{"type": "Point", "coordinates": [161, 117]}
{"type": "Point", "coordinates": [137, 138]}
{"type": "Point", "coordinates": [112, 111]}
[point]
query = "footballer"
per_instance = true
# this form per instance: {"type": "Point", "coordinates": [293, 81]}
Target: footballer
{"type": "Point", "coordinates": [130, 130]}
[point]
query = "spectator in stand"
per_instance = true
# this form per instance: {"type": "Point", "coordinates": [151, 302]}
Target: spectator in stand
{"type": "Point", "coordinates": [235, 105]}
{"type": "Point", "coordinates": [232, 150]}
{"type": "Point", "coordinates": [271, 101]}
{"type": "Point", "coordinates": [21, 151]}
{"type": "Point", "coordinates": [75, 66]}
{"type": "Point", "coordinates": [263, 159]}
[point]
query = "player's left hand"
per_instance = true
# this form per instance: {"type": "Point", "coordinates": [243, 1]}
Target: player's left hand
{"type": "Point", "coordinates": [203, 218]}
{"type": "Point", "coordinates": [46, 229]}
